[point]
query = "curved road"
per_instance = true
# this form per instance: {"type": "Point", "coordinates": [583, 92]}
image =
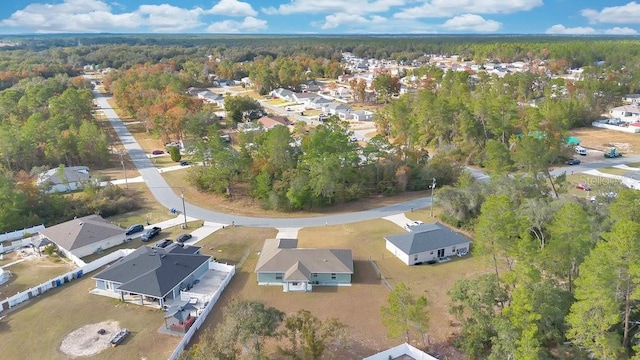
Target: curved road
{"type": "Point", "coordinates": [166, 195]}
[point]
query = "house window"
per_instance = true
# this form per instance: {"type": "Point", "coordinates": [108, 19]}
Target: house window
{"type": "Point", "coordinates": [453, 248]}
{"type": "Point", "coordinates": [314, 275]}
{"type": "Point", "coordinates": [333, 276]}
{"type": "Point", "coordinates": [432, 253]}
{"type": "Point", "coordinates": [415, 258]}
{"type": "Point", "coordinates": [278, 276]}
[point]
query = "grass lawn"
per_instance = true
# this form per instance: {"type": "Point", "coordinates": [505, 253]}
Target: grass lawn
{"type": "Point", "coordinates": [613, 171]}
{"type": "Point", "coordinates": [358, 305]}
{"type": "Point", "coordinates": [230, 244]}
{"type": "Point", "coordinates": [36, 329]}
{"type": "Point", "coordinates": [598, 185]}
{"type": "Point", "coordinates": [150, 208]}
{"type": "Point", "coordinates": [32, 272]}
{"type": "Point", "coordinates": [634, 164]}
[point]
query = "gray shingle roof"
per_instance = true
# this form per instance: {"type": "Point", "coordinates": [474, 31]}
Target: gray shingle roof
{"type": "Point", "coordinates": [274, 258]}
{"type": "Point", "coordinates": [152, 272]}
{"type": "Point", "coordinates": [82, 231]}
{"type": "Point", "coordinates": [71, 173]}
{"type": "Point", "coordinates": [427, 237]}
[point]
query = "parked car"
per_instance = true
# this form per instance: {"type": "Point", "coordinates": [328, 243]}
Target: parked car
{"type": "Point", "coordinates": [573, 162]}
{"type": "Point", "coordinates": [408, 226]}
{"type": "Point", "coordinates": [163, 243]}
{"type": "Point", "coordinates": [150, 233]}
{"type": "Point", "coordinates": [134, 229]}
{"type": "Point", "coordinates": [184, 237]}
{"type": "Point", "coordinates": [157, 152]}
{"type": "Point", "coordinates": [185, 163]}
{"type": "Point", "coordinates": [584, 187]}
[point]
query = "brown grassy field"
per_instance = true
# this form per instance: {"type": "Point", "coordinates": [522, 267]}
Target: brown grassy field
{"type": "Point", "coordinates": [603, 139]}
{"type": "Point", "coordinates": [359, 305]}
{"type": "Point", "coordinates": [30, 273]}
{"type": "Point", "coordinates": [36, 329]}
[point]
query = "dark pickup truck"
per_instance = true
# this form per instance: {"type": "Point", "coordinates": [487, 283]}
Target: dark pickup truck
{"type": "Point", "coordinates": [150, 233]}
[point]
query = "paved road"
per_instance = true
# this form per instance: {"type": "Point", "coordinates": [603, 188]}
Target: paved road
{"type": "Point", "coordinates": [169, 197]}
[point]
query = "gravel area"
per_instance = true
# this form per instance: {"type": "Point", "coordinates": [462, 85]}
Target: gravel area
{"type": "Point", "coordinates": [86, 341]}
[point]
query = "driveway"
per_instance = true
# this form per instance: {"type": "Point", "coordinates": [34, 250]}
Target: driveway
{"type": "Point", "coordinates": [169, 197]}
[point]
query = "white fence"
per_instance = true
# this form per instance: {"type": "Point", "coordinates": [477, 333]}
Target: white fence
{"type": "Point", "coordinates": [231, 270]}
{"type": "Point", "coordinates": [19, 234]}
{"type": "Point", "coordinates": [21, 297]}
{"type": "Point", "coordinates": [628, 129]}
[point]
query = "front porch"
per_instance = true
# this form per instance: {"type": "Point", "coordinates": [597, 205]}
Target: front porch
{"type": "Point", "coordinates": [297, 286]}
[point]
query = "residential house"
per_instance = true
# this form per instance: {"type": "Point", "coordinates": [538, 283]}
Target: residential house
{"type": "Point", "coordinates": [427, 242]}
{"type": "Point", "coordinates": [282, 263]}
{"type": "Point", "coordinates": [212, 98]}
{"type": "Point", "coordinates": [401, 352]}
{"type": "Point", "coordinates": [84, 236]}
{"type": "Point", "coordinates": [153, 275]}
{"type": "Point", "coordinates": [357, 115]}
{"type": "Point", "coordinates": [63, 179]}
{"type": "Point", "coordinates": [302, 98]}
{"type": "Point", "coordinates": [269, 122]}
{"type": "Point", "coordinates": [334, 107]}
{"type": "Point", "coordinates": [317, 102]}
{"type": "Point", "coordinates": [631, 99]}
{"type": "Point", "coordinates": [626, 113]}
{"type": "Point", "coordinates": [281, 93]}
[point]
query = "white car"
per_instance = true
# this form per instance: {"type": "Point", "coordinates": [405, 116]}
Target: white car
{"type": "Point", "coordinates": [408, 226]}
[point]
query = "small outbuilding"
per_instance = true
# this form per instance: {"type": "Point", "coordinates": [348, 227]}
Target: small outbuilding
{"type": "Point", "coordinates": [427, 242]}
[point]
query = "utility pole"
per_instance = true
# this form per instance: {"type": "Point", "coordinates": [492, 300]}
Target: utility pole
{"type": "Point", "coordinates": [433, 187]}
{"type": "Point", "coordinates": [126, 182]}
{"type": "Point", "coordinates": [184, 210]}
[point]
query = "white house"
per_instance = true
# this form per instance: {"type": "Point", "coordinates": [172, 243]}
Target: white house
{"type": "Point", "coordinates": [626, 113]}
{"type": "Point", "coordinates": [427, 242]}
{"type": "Point", "coordinates": [403, 351]}
{"type": "Point", "coordinates": [84, 236]}
{"type": "Point", "coordinates": [631, 99]}
{"type": "Point", "coordinates": [63, 179]}
{"type": "Point", "coordinates": [212, 98]}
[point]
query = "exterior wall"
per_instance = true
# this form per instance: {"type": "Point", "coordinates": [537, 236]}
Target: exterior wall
{"type": "Point", "coordinates": [322, 279]}
{"type": "Point", "coordinates": [72, 186]}
{"type": "Point", "coordinates": [104, 244]}
{"type": "Point", "coordinates": [397, 252]}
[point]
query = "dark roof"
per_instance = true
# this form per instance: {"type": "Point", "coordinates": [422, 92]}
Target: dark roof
{"type": "Point", "coordinates": [82, 231]}
{"type": "Point", "coordinates": [152, 271]}
{"type": "Point", "coordinates": [427, 237]}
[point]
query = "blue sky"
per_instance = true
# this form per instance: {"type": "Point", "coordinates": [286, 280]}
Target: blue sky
{"type": "Point", "coordinates": [579, 17]}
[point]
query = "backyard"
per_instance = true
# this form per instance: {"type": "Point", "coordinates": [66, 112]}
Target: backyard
{"type": "Point", "coordinates": [359, 305]}
{"type": "Point", "coordinates": [36, 329]}
{"type": "Point", "coordinates": [33, 271]}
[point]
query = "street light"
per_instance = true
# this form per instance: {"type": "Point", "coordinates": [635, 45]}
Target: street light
{"type": "Point", "coordinates": [184, 210]}
{"type": "Point", "coordinates": [126, 182]}
{"type": "Point", "coordinates": [433, 187]}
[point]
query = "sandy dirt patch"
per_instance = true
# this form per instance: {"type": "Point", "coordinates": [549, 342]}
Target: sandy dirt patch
{"type": "Point", "coordinates": [86, 341]}
{"type": "Point", "coordinates": [604, 139]}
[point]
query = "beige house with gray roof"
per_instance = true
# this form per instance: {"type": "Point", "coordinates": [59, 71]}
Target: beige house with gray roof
{"type": "Point", "coordinates": [282, 263]}
{"type": "Point", "coordinates": [84, 236]}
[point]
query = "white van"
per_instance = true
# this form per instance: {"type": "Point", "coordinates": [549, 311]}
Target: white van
{"type": "Point", "coordinates": [581, 151]}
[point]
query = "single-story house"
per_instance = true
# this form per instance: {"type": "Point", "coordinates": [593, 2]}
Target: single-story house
{"type": "Point", "coordinates": [154, 275]}
{"type": "Point", "coordinates": [631, 98]}
{"type": "Point", "coordinates": [303, 98]}
{"type": "Point", "coordinates": [358, 115]}
{"type": "Point", "coordinates": [212, 98]}
{"type": "Point", "coordinates": [318, 102]}
{"type": "Point", "coordinates": [626, 113]}
{"type": "Point", "coordinates": [427, 242]}
{"type": "Point", "coordinates": [334, 107]}
{"type": "Point", "coordinates": [269, 122]}
{"type": "Point", "coordinates": [84, 236]}
{"type": "Point", "coordinates": [63, 179]}
{"type": "Point", "coordinates": [282, 263]}
{"type": "Point", "coordinates": [401, 352]}
{"type": "Point", "coordinates": [281, 93]}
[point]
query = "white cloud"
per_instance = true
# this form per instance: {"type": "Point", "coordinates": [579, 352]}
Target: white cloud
{"type": "Point", "coordinates": [334, 6]}
{"type": "Point", "coordinates": [471, 22]}
{"type": "Point", "coordinates": [168, 18]}
{"type": "Point", "coordinates": [621, 31]}
{"type": "Point", "coordinates": [71, 16]}
{"type": "Point", "coordinates": [335, 20]}
{"type": "Point", "coordinates": [249, 24]}
{"type": "Point", "coordinates": [446, 8]}
{"type": "Point", "coordinates": [233, 8]}
{"type": "Point", "coordinates": [625, 14]}
{"type": "Point", "coordinates": [560, 29]}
